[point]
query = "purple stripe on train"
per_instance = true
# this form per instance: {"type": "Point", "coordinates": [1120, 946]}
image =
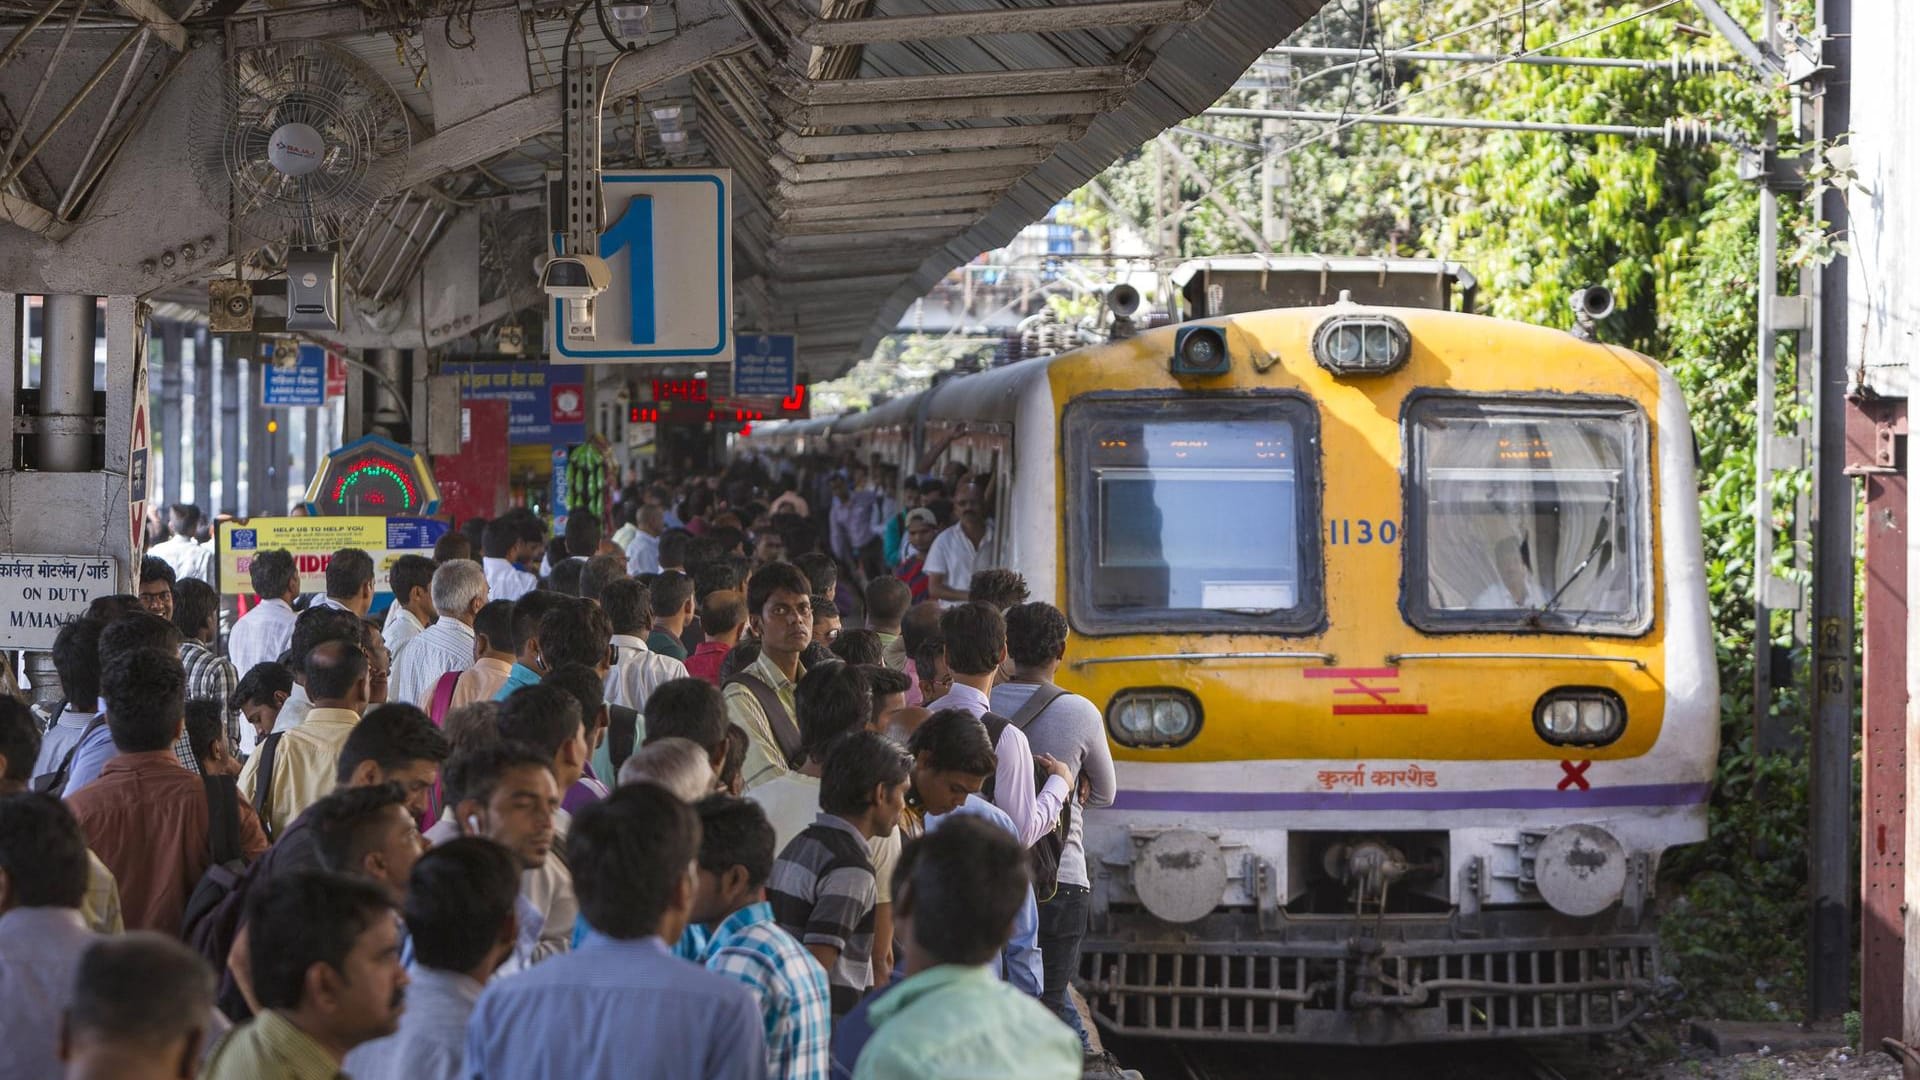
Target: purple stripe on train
{"type": "Point", "coordinates": [1521, 799]}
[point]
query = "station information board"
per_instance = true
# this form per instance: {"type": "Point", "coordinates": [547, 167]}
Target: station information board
{"type": "Point", "coordinates": [312, 542]}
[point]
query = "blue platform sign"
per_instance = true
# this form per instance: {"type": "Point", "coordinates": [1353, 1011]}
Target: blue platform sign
{"type": "Point", "coordinates": [764, 365]}
{"type": "Point", "coordinates": [668, 244]}
{"type": "Point", "coordinates": [299, 384]}
{"type": "Point", "coordinates": [538, 398]}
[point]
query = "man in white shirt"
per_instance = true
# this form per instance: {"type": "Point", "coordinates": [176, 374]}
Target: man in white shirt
{"type": "Point", "coordinates": [411, 581]}
{"type": "Point", "coordinates": [188, 557]}
{"type": "Point", "coordinates": [262, 634]}
{"type": "Point", "coordinates": [957, 554]}
{"type": "Point", "coordinates": [976, 639]}
{"type": "Point", "coordinates": [637, 670]}
{"type": "Point", "coordinates": [512, 538]}
{"type": "Point", "coordinates": [643, 551]}
{"type": "Point", "coordinates": [349, 582]}
{"type": "Point", "coordinates": [459, 590]}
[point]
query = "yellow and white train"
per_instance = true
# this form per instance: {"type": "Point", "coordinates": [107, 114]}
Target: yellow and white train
{"type": "Point", "coordinates": [1398, 619]}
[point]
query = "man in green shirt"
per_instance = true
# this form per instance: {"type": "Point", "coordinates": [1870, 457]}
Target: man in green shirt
{"type": "Point", "coordinates": [955, 895]}
{"type": "Point", "coordinates": [326, 970]}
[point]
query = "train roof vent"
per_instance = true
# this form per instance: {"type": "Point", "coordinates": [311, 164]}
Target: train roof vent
{"type": "Point", "coordinates": [1234, 284]}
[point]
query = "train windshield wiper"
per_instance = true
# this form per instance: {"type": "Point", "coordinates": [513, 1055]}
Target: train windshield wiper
{"type": "Point", "coordinates": [1600, 541]}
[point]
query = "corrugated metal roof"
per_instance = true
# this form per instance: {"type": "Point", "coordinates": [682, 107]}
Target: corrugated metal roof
{"type": "Point", "coordinates": [1196, 63]}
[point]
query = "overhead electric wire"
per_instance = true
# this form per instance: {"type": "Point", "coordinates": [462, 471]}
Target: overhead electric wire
{"type": "Point", "coordinates": [1472, 73]}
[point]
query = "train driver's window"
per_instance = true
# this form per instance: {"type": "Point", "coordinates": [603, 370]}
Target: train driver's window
{"type": "Point", "coordinates": [1527, 516]}
{"type": "Point", "coordinates": [1194, 513]}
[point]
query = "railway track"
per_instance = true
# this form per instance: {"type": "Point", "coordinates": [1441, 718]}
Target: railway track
{"type": "Point", "coordinates": [1552, 1059]}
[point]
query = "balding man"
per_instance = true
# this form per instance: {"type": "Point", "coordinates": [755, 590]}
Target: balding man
{"type": "Point", "coordinates": [459, 591]}
{"type": "Point", "coordinates": [308, 756]}
{"type": "Point", "coordinates": [643, 553]}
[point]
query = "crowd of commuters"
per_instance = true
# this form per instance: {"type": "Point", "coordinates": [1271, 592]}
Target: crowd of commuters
{"type": "Point", "coordinates": [771, 780]}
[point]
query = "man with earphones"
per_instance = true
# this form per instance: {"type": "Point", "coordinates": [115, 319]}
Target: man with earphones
{"type": "Point", "coordinates": [506, 793]}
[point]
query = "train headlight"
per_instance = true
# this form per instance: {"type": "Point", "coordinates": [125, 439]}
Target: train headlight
{"type": "Point", "coordinates": [1157, 717]}
{"type": "Point", "coordinates": [1200, 350]}
{"type": "Point", "coordinates": [1362, 344]}
{"type": "Point", "coordinates": [1580, 716]}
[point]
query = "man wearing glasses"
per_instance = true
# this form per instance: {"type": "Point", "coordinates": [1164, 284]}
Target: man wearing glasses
{"type": "Point", "coordinates": [156, 587]}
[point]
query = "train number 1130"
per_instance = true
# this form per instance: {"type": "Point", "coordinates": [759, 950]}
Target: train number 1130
{"type": "Point", "coordinates": [1362, 531]}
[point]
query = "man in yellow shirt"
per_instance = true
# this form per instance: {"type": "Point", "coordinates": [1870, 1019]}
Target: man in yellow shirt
{"type": "Point", "coordinates": [307, 756]}
{"type": "Point", "coordinates": [326, 966]}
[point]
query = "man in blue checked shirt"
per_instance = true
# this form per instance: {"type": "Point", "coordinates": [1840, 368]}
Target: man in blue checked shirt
{"type": "Point", "coordinates": [736, 855]}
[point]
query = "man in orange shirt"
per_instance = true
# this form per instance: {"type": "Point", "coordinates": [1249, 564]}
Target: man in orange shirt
{"type": "Point", "coordinates": [146, 816]}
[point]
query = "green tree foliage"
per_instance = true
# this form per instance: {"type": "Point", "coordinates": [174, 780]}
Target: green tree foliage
{"type": "Point", "coordinates": [1668, 226]}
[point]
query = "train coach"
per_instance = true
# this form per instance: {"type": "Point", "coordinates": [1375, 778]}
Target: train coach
{"type": "Point", "coordinates": [1398, 619]}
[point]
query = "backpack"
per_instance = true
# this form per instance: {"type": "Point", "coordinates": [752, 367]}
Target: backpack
{"type": "Point", "coordinates": [212, 917]}
{"type": "Point", "coordinates": [1043, 857]}
{"type": "Point", "coordinates": [263, 779]}
{"type": "Point", "coordinates": [55, 782]}
{"type": "Point", "coordinates": [623, 726]}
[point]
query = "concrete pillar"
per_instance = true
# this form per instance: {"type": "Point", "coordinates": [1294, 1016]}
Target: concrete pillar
{"type": "Point", "coordinates": [65, 441]}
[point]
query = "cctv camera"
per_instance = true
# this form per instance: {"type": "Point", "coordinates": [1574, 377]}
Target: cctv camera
{"type": "Point", "coordinates": [577, 279]}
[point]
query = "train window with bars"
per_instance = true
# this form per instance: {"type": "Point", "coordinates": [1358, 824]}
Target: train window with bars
{"type": "Point", "coordinates": [1194, 513]}
{"type": "Point", "coordinates": [1528, 516]}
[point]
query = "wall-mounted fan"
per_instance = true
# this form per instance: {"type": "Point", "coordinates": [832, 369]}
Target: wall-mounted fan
{"type": "Point", "coordinates": [296, 134]}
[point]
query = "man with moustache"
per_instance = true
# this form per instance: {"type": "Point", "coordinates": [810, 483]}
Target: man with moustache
{"type": "Point", "coordinates": [326, 969]}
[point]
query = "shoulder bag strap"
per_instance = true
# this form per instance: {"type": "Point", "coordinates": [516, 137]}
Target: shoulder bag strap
{"type": "Point", "coordinates": [1043, 695]}
{"type": "Point", "coordinates": [785, 732]}
{"type": "Point", "coordinates": [443, 697]}
{"type": "Point", "coordinates": [263, 780]}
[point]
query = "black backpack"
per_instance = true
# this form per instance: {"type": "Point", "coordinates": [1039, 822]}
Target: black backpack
{"type": "Point", "coordinates": [214, 908]}
{"type": "Point", "coordinates": [623, 724]}
{"type": "Point", "coordinates": [226, 876]}
{"type": "Point", "coordinates": [1044, 856]}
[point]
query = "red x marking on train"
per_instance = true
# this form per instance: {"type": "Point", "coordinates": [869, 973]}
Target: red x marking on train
{"type": "Point", "coordinates": [1576, 775]}
{"type": "Point", "coordinates": [1375, 684]}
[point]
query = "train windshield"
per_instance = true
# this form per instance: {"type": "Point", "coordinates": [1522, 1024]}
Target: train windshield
{"type": "Point", "coordinates": [1161, 546]}
{"type": "Point", "coordinates": [1527, 516]}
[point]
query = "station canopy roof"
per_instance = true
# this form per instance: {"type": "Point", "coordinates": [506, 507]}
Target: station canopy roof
{"type": "Point", "coordinates": [875, 144]}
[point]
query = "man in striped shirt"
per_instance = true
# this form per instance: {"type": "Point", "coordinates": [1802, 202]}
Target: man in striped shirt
{"type": "Point", "coordinates": [822, 887]}
{"type": "Point", "coordinates": [736, 855]}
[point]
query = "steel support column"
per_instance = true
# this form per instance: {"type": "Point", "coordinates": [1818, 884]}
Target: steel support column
{"type": "Point", "coordinates": [1830, 761]}
{"type": "Point", "coordinates": [387, 415]}
{"type": "Point", "coordinates": [1877, 451]}
{"type": "Point", "coordinates": [262, 498]}
{"type": "Point", "coordinates": [170, 421]}
{"type": "Point", "coordinates": [230, 425]}
{"type": "Point", "coordinates": [201, 422]}
{"type": "Point", "coordinates": [65, 440]}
